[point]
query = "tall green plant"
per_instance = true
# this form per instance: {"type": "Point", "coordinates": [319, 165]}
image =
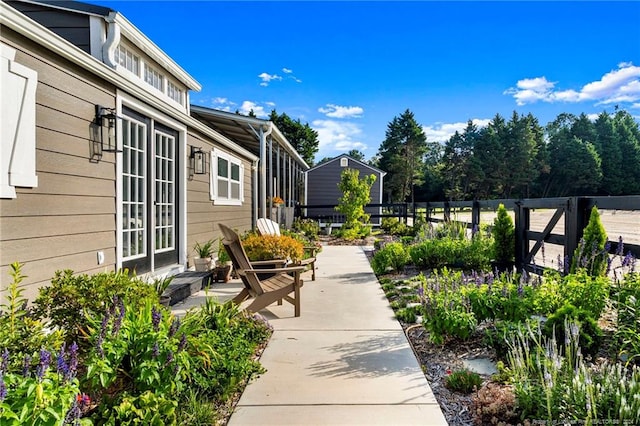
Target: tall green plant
{"type": "Point", "coordinates": [503, 236]}
{"type": "Point", "coordinates": [591, 254]}
{"type": "Point", "coordinates": [356, 193]}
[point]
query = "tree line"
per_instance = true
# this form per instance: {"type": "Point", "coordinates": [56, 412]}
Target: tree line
{"type": "Point", "coordinates": [515, 158]}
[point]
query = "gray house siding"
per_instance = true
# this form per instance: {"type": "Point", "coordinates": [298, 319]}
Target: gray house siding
{"type": "Point", "coordinates": [63, 222]}
{"type": "Point", "coordinates": [322, 187]}
{"type": "Point", "coordinates": [73, 27]}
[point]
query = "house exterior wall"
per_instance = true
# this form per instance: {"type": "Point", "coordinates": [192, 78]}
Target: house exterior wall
{"type": "Point", "coordinates": [70, 215]}
{"type": "Point", "coordinates": [322, 188]}
{"type": "Point", "coordinates": [203, 215]}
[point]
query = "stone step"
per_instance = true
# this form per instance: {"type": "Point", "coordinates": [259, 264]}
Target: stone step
{"type": "Point", "coordinates": [187, 283]}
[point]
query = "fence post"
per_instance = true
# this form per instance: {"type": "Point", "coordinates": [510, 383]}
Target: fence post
{"type": "Point", "coordinates": [475, 217]}
{"type": "Point", "coordinates": [447, 212]}
{"type": "Point", "coordinates": [575, 219]}
{"type": "Point", "coordinates": [522, 222]}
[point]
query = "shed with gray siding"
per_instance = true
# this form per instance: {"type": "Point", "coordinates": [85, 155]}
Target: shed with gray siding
{"type": "Point", "coordinates": [322, 188]}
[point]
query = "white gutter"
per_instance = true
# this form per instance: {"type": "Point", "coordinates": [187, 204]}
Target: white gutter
{"type": "Point", "coordinates": [15, 20]}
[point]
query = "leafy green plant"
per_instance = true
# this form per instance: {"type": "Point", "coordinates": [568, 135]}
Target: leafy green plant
{"type": "Point", "coordinates": [44, 391]}
{"type": "Point", "coordinates": [309, 227]}
{"type": "Point", "coordinates": [147, 408]}
{"type": "Point", "coordinates": [626, 299]}
{"type": "Point", "coordinates": [463, 381]}
{"type": "Point", "coordinates": [71, 298]}
{"type": "Point", "coordinates": [139, 351]}
{"type": "Point", "coordinates": [590, 337]}
{"type": "Point", "coordinates": [446, 311]}
{"type": "Point", "coordinates": [590, 255]}
{"type": "Point", "coordinates": [407, 315]}
{"type": "Point", "coordinates": [223, 256]}
{"type": "Point", "coordinates": [391, 258]}
{"type": "Point", "coordinates": [554, 383]}
{"type": "Point", "coordinates": [204, 249]}
{"type": "Point", "coordinates": [586, 292]}
{"type": "Point", "coordinates": [356, 193]}
{"type": "Point", "coordinates": [503, 237]}
{"type": "Point", "coordinates": [20, 333]}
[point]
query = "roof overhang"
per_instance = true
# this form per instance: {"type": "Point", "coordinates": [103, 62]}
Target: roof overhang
{"type": "Point", "coordinates": [244, 130]}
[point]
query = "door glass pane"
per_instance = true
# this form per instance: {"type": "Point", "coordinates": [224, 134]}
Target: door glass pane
{"type": "Point", "coordinates": [164, 184]}
{"type": "Point", "coordinates": [133, 191]}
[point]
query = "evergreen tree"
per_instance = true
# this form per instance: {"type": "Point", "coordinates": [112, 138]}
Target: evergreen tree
{"type": "Point", "coordinates": [301, 136]}
{"type": "Point", "coordinates": [401, 155]}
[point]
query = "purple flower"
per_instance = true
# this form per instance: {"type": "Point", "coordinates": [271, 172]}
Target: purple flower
{"type": "Point", "coordinates": [4, 361]}
{"type": "Point", "coordinates": [118, 321]}
{"type": "Point", "coordinates": [155, 351]}
{"type": "Point", "coordinates": [173, 328]}
{"type": "Point", "coordinates": [520, 289]}
{"type": "Point", "coordinates": [3, 388]}
{"type": "Point", "coordinates": [73, 414]}
{"type": "Point", "coordinates": [169, 358]}
{"type": "Point", "coordinates": [627, 260]}
{"type": "Point", "coordinates": [155, 319]}
{"type": "Point", "coordinates": [620, 250]}
{"type": "Point", "coordinates": [420, 291]}
{"type": "Point", "coordinates": [61, 363]}
{"type": "Point", "coordinates": [73, 361]}
{"type": "Point", "coordinates": [542, 250]}
{"type": "Point", "coordinates": [26, 365]}
{"type": "Point", "coordinates": [104, 325]}
{"type": "Point", "coordinates": [183, 342]}
{"type": "Point", "coordinates": [43, 365]}
{"type": "Point", "coordinates": [99, 348]}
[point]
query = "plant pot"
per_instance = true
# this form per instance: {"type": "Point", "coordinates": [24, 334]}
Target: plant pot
{"type": "Point", "coordinates": [202, 264]}
{"type": "Point", "coordinates": [223, 271]}
{"type": "Point", "coordinates": [327, 230]}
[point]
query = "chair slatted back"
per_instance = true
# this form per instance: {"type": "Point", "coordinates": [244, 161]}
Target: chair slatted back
{"type": "Point", "coordinates": [267, 227]}
{"type": "Point", "coordinates": [240, 260]}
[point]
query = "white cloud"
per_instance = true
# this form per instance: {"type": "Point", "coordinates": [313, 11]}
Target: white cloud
{"type": "Point", "coordinates": [339, 136]}
{"type": "Point", "coordinates": [337, 111]}
{"type": "Point", "coordinates": [442, 132]}
{"type": "Point", "coordinates": [287, 70]}
{"type": "Point", "coordinates": [617, 86]}
{"type": "Point", "coordinates": [635, 105]}
{"type": "Point", "coordinates": [267, 78]}
{"type": "Point", "coordinates": [258, 110]}
{"type": "Point", "coordinates": [223, 104]}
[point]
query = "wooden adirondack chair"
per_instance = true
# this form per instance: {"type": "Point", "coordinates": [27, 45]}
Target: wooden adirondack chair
{"type": "Point", "coordinates": [267, 226]}
{"type": "Point", "coordinates": [264, 292]}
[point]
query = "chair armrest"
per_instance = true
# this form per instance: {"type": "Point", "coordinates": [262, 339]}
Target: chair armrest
{"type": "Point", "coordinates": [270, 262]}
{"type": "Point", "coordinates": [312, 249]}
{"type": "Point", "coordinates": [275, 270]}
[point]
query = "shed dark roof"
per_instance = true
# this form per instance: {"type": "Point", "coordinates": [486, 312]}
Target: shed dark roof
{"type": "Point", "coordinates": [75, 6]}
{"type": "Point", "coordinates": [375, 169]}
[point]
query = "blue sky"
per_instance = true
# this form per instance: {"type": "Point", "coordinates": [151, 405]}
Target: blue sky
{"type": "Point", "coordinates": [348, 68]}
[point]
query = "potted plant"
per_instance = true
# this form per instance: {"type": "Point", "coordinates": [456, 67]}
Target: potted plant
{"type": "Point", "coordinates": [204, 251]}
{"type": "Point", "coordinates": [224, 266]}
{"type": "Point", "coordinates": [327, 228]}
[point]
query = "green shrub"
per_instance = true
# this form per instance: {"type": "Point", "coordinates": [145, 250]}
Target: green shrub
{"type": "Point", "coordinates": [626, 300]}
{"type": "Point", "coordinates": [446, 310]}
{"type": "Point", "coordinates": [470, 254]}
{"type": "Point", "coordinates": [407, 315]}
{"type": "Point", "coordinates": [463, 381]}
{"type": "Point", "coordinates": [356, 193]}
{"type": "Point", "coordinates": [308, 227]}
{"type": "Point", "coordinates": [590, 255]}
{"type": "Point", "coordinates": [20, 333]}
{"type": "Point", "coordinates": [586, 292]}
{"type": "Point", "coordinates": [71, 298]}
{"type": "Point", "coordinates": [590, 334]}
{"type": "Point", "coordinates": [270, 247]}
{"type": "Point", "coordinates": [504, 245]}
{"type": "Point", "coordinates": [391, 258]}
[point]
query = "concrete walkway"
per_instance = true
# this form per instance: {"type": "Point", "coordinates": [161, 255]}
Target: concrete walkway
{"type": "Point", "coordinates": [344, 361]}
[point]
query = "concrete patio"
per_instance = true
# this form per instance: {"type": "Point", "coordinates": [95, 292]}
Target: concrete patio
{"type": "Point", "coordinates": [344, 361]}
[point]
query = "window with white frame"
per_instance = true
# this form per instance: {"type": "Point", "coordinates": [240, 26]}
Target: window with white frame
{"type": "Point", "coordinates": [226, 179]}
{"type": "Point", "coordinates": [128, 60]}
{"type": "Point", "coordinates": [174, 92]}
{"type": "Point", "coordinates": [153, 77]}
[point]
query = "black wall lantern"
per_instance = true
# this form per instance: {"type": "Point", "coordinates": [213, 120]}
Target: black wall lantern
{"type": "Point", "coordinates": [197, 159]}
{"type": "Point", "coordinates": [107, 129]}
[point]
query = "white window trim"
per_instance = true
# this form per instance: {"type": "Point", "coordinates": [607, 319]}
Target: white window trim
{"type": "Point", "coordinates": [18, 129]}
{"type": "Point", "coordinates": [213, 178]}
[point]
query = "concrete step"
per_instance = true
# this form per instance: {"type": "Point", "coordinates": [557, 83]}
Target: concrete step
{"type": "Point", "coordinates": [187, 283]}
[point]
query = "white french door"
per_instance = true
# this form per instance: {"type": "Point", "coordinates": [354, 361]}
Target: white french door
{"type": "Point", "coordinates": [149, 194]}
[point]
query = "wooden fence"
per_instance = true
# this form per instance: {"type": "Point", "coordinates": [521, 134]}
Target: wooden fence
{"type": "Point", "coordinates": [574, 210]}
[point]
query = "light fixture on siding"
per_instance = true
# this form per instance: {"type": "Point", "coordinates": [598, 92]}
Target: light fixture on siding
{"type": "Point", "coordinates": [197, 159]}
{"type": "Point", "coordinates": [106, 121]}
